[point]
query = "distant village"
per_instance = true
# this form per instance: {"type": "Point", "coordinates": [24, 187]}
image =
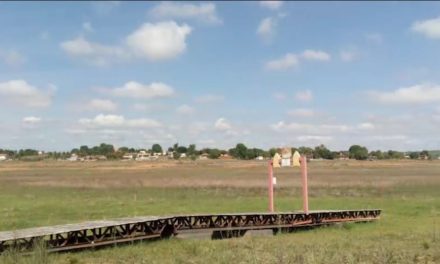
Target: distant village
{"type": "Point", "coordinates": [240, 151]}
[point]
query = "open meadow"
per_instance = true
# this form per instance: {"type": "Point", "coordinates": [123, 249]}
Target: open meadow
{"type": "Point", "coordinates": [48, 192]}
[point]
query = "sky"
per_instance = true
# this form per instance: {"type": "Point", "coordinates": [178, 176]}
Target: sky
{"type": "Point", "coordinates": [268, 74]}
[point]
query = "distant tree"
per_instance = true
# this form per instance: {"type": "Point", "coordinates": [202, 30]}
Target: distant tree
{"type": "Point", "coordinates": [84, 150]}
{"type": "Point", "coordinates": [27, 152]}
{"type": "Point", "coordinates": [322, 152]}
{"type": "Point", "coordinates": [176, 155]}
{"type": "Point", "coordinates": [392, 154]}
{"type": "Point", "coordinates": [175, 146]}
{"type": "Point", "coordinates": [106, 149]}
{"type": "Point", "coordinates": [241, 151]}
{"type": "Point", "coordinates": [272, 152]}
{"type": "Point", "coordinates": [214, 153]}
{"type": "Point", "coordinates": [156, 148]}
{"type": "Point", "coordinates": [414, 155]}
{"type": "Point", "coordinates": [192, 149]}
{"type": "Point", "coordinates": [358, 152]}
{"type": "Point", "coordinates": [335, 154]}
{"type": "Point", "coordinates": [233, 152]}
{"type": "Point", "coordinates": [377, 154]}
{"type": "Point", "coordinates": [74, 151]}
{"type": "Point", "coordinates": [124, 150]}
{"type": "Point", "coordinates": [182, 149]}
{"type": "Point", "coordinates": [305, 151]}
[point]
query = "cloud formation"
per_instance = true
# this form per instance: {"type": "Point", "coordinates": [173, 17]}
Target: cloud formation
{"type": "Point", "coordinates": [134, 89]}
{"type": "Point", "coordinates": [288, 61]}
{"type": "Point", "coordinates": [101, 105]}
{"type": "Point", "coordinates": [317, 55]}
{"type": "Point", "coordinates": [118, 121]}
{"type": "Point", "coordinates": [273, 5]}
{"type": "Point", "coordinates": [31, 120]}
{"type": "Point", "coordinates": [94, 53]}
{"type": "Point", "coordinates": [416, 94]}
{"type": "Point", "coordinates": [160, 41]}
{"type": "Point", "coordinates": [430, 28]}
{"type": "Point", "coordinates": [291, 60]}
{"type": "Point", "coordinates": [151, 41]}
{"type": "Point", "coordinates": [266, 28]}
{"type": "Point", "coordinates": [204, 12]}
{"type": "Point", "coordinates": [24, 94]}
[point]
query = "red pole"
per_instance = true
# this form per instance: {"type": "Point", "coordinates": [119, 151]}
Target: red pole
{"type": "Point", "coordinates": [304, 184]}
{"type": "Point", "coordinates": [270, 186]}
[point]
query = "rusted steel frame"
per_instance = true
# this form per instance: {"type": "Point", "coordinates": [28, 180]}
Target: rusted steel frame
{"type": "Point", "coordinates": [154, 228]}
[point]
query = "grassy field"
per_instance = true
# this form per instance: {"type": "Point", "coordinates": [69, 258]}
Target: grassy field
{"type": "Point", "coordinates": [46, 193]}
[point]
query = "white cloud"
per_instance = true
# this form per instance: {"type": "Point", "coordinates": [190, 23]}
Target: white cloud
{"type": "Point", "coordinates": [24, 94]}
{"type": "Point", "coordinates": [274, 5]}
{"type": "Point", "coordinates": [375, 38]}
{"type": "Point", "coordinates": [118, 121]}
{"type": "Point", "coordinates": [31, 120]}
{"type": "Point", "coordinates": [209, 98]}
{"type": "Point", "coordinates": [366, 126]}
{"type": "Point", "coordinates": [222, 124]}
{"type": "Point", "coordinates": [146, 91]}
{"type": "Point", "coordinates": [12, 58]}
{"type": "Point", "coordinates": [304, 96]}
{"type": "Point", "coordinates": [302, 112]}
{"type": "Point", "coordinates": [266, 28]}
{"type": "Point", "coordinates": [430, 27]}
{"type": "Point", "coordinates": [185, 110]}
{"type": "Point", "coordinates": [94, 53]}
{"type": "Point", "coordinates": [101, 105]}
{"type": "Point", "coordinates": [87, 26]}
{"type": "Point", "coordinates": [205, 12]}
{"type": "Point", "coordinates": [348, 55]}
{"type": "Point", "coordinates": [318, 55]}
{"type": "Point", "coordinates": [160, 41]}
{"type": "Point", "coordinates": [289, 60]}
{"type": "Point", "coordinates": [416, 94]}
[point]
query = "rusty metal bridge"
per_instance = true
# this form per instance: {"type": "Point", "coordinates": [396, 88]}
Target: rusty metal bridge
{"type": "Point", "coordinates": [109, 232]}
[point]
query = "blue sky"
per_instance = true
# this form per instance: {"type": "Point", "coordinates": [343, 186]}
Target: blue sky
{"type": "Point", "coordinates": [217, 73]}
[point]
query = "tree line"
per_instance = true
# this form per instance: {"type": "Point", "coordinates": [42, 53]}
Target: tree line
{"type": "Point", "coordinates": [240, 151]}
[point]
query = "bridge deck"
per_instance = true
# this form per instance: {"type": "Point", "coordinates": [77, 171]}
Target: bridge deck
{"type": "Point", "coordinates": [94, 233]}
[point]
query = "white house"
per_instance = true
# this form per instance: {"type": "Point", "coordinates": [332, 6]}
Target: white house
{"type": "Point", "coordinates": [3, 157]}
{"type": "Point", "coordinates": [73, 157]}
{"type": "Point", "coordinates": [128, 156]}
{"type": "Point", "coordinates": [143, 155]}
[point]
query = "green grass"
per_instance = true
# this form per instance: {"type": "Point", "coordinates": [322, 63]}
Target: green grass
{"type": "Point", "coordinates": [408, 231]}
